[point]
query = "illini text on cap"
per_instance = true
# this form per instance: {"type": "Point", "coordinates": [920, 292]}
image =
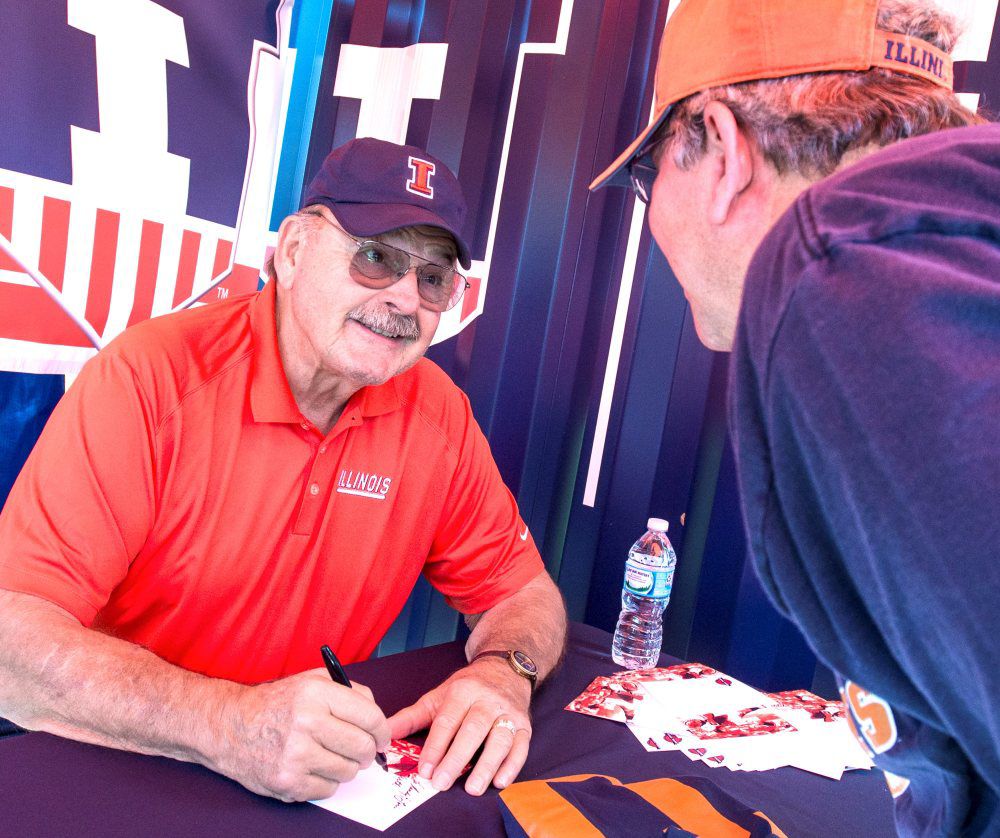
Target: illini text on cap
{"type": "Point", "coordinates": [907, 54]}
{"type": "Point", "coordinates": [901, 52]}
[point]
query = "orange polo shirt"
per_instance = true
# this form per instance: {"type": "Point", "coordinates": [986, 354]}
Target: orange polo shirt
{"type": "Point", "coordinates": [178, 499]}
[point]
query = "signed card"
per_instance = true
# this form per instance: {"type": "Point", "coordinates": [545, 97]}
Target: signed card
{"type": "Point", "coordinates": [668, 736]}
{"type": "Point", "coordinates": [815, 738]}
{"type": "Point", "coordinates": [608, 698]}
{"type": "Point", "coordinates": [811, 705]}
{"type": "Point", "coordinates": [825, 732]}
{"type": "Point", "coordinates": [678, 672]}
{"type": "Point", "coordinates": [617, 696]}
{"type": "Point", "coordinates": [694, 737]}
{"type": "Point", "coordinates": [707, 691]}
{"type": "Point", "coordinates": [752, 722]}
{"type": "Point", "coordinates": [379, 798]}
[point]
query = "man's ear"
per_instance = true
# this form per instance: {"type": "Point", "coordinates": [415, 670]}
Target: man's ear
{"type": "Point", "coordinates": [728, 146]}
{"type": "Point", "coordinates": [286, 253]}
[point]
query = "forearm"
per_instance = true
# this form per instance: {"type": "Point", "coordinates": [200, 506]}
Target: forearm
{"type": "Point", "coordinates": [59, 677]}
{"type": "Point", "coordinates": [532, 620]}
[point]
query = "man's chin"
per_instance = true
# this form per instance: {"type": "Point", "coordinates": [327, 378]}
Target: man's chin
{"type": "Point", "coordinates": [374, 376]}
{"type": "Point", "coordinates": [711, 335]}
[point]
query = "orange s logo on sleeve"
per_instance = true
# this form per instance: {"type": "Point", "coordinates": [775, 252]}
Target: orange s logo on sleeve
{"type": "Point", "coordinates": [871, 718]}
{"type": "Point", "coordinates": [873, 724]}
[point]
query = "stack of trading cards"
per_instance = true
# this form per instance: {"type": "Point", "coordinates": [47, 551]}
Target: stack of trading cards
{"type": "Point", "coordinates": [711, 717]}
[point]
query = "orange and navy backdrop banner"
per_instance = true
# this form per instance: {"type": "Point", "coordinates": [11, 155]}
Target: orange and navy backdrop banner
{"type": "Point", "coordinates": [136, 164]}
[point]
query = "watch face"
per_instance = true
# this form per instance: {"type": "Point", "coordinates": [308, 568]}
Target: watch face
{"type": "Point", "coordinates": [526, 663]}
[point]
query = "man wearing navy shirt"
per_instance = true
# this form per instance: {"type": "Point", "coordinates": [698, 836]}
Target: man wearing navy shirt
{"type": "Point", "coordinates": [853, 269]}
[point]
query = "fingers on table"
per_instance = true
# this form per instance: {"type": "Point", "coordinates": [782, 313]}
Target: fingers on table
{"type": "Point", "coordinates": [514, 761]}
{"type": "Point", "coordinates": [504, 753]}
{"type": "Point", "coordinates": [452, 743]}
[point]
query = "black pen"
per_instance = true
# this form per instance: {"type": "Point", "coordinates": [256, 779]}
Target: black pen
{"type": "Point", "coordinates": [340, 677]}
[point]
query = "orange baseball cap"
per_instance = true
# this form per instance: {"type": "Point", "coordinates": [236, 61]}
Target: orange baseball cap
{"type": "Point", "coordinates": [709, 43]}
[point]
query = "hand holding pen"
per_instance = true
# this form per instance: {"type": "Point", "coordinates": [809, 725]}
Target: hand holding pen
{"type": "Point", "coordinates": [340, 677]}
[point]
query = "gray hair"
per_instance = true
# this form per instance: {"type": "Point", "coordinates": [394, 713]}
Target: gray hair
{"type": "Point", "coordinates": [806, 123]}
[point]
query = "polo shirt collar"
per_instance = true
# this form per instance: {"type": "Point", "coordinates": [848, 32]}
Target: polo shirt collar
{"type": "Point", "coordinates": [378, 399]}
{"type": "Point", "coordinates": [271, 399]}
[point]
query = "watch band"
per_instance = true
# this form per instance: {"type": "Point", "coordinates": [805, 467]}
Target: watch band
{"type": "Point", "coordinates": [516, 660]}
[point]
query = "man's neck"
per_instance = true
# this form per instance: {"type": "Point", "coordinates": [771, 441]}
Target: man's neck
{"type": "Point", "coordinates": [321, 403]}
{"type": "Point", "coordinates": [788, 187]}
{"type": "Point", "coordinates": [320, 396]}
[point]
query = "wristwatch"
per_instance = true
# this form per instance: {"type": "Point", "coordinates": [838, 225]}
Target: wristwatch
{"type": "Point", "coordinates": [518, 661]}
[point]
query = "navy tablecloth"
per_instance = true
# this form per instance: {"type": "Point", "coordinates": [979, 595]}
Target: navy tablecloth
{"type": "Point", "coordinates": [55, 787]}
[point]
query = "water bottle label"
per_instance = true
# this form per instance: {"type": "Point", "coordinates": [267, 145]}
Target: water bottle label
{"type": "Point", "coordinates": [667, 559]}
{"type": "Point", "coordinates": [644, 579]}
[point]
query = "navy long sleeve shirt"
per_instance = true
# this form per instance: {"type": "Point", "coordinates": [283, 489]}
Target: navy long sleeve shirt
{"type": "Point", "coordinates": [865, 407]}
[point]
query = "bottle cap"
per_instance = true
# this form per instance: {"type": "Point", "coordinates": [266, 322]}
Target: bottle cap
{"type": "Point", "coordinates": [658, 524]}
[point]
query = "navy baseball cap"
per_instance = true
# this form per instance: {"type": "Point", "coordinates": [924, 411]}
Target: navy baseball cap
{"type": "Point", "coordinates": [373, 186]}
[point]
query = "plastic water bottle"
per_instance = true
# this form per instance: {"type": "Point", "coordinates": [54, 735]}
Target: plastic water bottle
{"type": "Point", "coordinates": [649, 577]}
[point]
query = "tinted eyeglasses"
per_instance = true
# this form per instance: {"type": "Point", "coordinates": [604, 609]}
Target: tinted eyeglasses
{"type": "Point", "coordinates": [642, 172]}
{"type": "Point", "coordinates": [378, 265]}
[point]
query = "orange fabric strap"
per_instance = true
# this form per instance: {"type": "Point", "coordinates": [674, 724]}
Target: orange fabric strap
{"type": "Point", "coordinates": [688, 808]}
{"type": "Point", "coordinates": [541, 810]}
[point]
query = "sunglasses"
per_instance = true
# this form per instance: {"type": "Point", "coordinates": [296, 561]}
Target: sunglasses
{"type": "Point", "coordinates": [378, 265]}
{"type": "Point", "coordinates": [642, 172]}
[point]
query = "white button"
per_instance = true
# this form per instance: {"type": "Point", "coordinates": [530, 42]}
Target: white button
{"type": "Point", "coordinates": [305, 426]}
{"type": "Point", "coordinates": [322, 449]}
{"type": "Point", "coordinates": [314, 489]}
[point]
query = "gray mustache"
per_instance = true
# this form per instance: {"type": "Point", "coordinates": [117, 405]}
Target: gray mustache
{"type": "Point", "coordinates": [402, 325]}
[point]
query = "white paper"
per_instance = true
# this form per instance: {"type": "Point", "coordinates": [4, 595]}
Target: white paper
{"type": "Point", "coordinates": [378, 798]}
{"type": "Point", "coordinates": [689, 698]}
